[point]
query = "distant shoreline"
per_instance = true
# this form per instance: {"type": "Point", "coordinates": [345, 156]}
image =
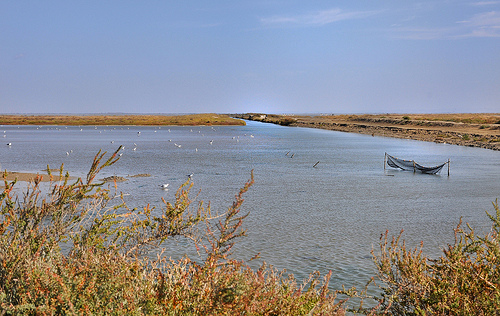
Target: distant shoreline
{"type": "Point", "coordinates": [121, 120]}
{"type": "Point", "coordinates": [464, 129]}
{"type": "Point", "coordinates": [472, 129]}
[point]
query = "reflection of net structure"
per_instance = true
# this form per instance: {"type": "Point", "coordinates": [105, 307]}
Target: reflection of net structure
{"type": "Point", "coordinates": [411, 165]}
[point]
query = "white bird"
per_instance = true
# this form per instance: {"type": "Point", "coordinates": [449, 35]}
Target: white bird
{"type": "Point", "coordinates": [190, 175]}
{"type": "Point", "coordinates": [164, 186]}
{"type": "Point", "coordinates": [9, 144]}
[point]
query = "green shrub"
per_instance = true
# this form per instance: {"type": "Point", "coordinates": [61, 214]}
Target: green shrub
{"type": "Point", "coordinates": [465, 280]}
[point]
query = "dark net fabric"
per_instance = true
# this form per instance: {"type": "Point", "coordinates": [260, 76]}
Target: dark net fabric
{"type": "Point", "coordinates": [412, 165]}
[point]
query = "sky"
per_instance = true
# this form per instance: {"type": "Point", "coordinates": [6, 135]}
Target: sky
{"type": "Point", "coordinates": [240, 56]}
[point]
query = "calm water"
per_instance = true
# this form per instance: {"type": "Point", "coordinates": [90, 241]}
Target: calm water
{"type": "Point", "coordinates": [301, 218]}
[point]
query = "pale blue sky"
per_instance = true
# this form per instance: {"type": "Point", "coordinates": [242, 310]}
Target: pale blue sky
{"type": "Point", "coordinates": [230, 56]}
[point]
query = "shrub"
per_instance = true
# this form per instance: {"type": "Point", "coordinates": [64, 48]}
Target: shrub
{"type": "Point", "coordinates": [465, 280]}
{"type": "Point", "coordinates": [287, 121]}
{"type": "Point", "coordinates": [106, 270]}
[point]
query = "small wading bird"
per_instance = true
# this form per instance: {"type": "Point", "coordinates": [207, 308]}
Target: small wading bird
{"type": "Point", "coordinates": [164, 186]}
{"type": "Point", "coordinates": [190, 175]}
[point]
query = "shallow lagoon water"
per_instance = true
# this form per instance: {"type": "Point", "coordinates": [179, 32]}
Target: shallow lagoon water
{"type": "Point", "coordinates": [302, 218]}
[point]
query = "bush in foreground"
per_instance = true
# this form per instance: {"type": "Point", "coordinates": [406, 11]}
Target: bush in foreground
{"type": "Point", "coordinates": [465, 280]}
{"type": "Point", "coordinates": [106, 267]}
{"type": "Point", "coordinates": [106, 270]}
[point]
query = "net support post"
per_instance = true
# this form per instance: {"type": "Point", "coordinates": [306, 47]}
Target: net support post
{"type": "Point", "coordinates": [448, 167]}
{"type": "Point", "coordinates": [385, 160]}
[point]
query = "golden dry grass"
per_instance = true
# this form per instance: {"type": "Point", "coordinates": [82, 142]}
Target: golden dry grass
{"type": "Point", "coordinates": [143, 120]}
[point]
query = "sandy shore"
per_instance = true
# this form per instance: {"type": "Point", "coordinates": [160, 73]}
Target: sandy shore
{"type": "Point", "coordinates": [26, 176]}
{"type": "Point", "coordinates": [29, 177]}
{"type": "Point", "coordinates": [473, 130]}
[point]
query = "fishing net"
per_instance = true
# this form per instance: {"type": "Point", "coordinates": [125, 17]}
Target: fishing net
{"type": "Point", "coordinates": [411, 165]}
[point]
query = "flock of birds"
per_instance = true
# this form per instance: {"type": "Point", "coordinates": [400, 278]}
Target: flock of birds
{"type": "Point", "coordinates": [165, 186]}
{"type": "Point", "coordinates": [8, 144]}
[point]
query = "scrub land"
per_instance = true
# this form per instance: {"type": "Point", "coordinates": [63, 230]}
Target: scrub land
{"type": "Point", "coordinates": [469, 129]}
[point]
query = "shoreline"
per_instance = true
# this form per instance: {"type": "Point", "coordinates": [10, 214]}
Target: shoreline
{"type": "Point", "coordinates": [120, 120]}
{"type": "Point", "coordinates": [464, 129]}
{"type": "Point", "coordinates": [471, 130]}
{"type": "Point", "coordinates": [10, 176]}
{"type": "Point", "coordinates": [31, 176]}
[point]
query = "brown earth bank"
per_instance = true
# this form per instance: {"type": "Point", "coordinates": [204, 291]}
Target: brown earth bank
{"type": "Point", "coordinates": [141, 120]}
{"type": "Point", "coordinates": [29, 176]}
{"type": "Point", "coordinates": [464, 129]}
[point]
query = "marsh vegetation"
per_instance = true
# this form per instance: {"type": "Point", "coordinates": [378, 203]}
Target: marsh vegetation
{"type": "Point", "coordinates": [143, 120]}
{"type": "Point", "coordinates": [109, 267]}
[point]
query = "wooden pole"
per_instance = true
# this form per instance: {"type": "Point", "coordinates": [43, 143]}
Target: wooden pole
{"type": "Point", "coordinates": [448, 167]}
{"type": "Point", "coordinates": [385, 160]}
{"type": "Point", "coordinates": [413, 166]}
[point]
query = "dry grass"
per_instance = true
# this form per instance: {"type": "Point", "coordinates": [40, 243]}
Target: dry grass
{"type": "Point", "coordinates": [468, 118]}
{"type": "Point", "coordinates": [143, 120]}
